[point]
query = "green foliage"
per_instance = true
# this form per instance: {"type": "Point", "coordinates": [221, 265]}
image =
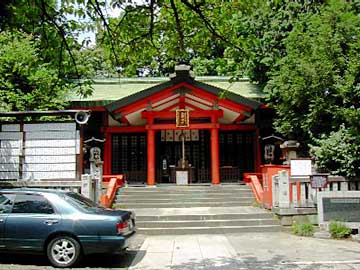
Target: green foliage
{"type": "Point", "coordinates": [339, 152]}
{"type": "Point", "coordinates": [339, 230]}
{"type": "Point", "coordinates": [304, 229]}
{"type": "Point", "coordinates": [316, 87]}
{"type": "Point", "coordinates": [26, 81]}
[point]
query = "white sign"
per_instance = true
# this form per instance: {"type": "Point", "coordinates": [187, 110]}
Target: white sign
{"type": "Point", "coordinates": [300, 167]}
{"type": "Point", "coordinates": [182, 177]}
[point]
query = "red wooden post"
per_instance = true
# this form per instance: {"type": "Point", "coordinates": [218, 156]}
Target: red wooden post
{"type": "Point", "coordinates": [215, 170]}
{"type": "Point", "coordinates": [151, 157]}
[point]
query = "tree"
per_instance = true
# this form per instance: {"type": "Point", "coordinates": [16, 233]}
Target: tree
{"type": "Point", "coordinates": [26, 81]}
{"type": "Point", "coordinates": [317, 86]}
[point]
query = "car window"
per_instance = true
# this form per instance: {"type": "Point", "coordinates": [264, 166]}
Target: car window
{"type": "Point", "coordinates": [33, 204]}
{"type": "Point", "coordinates": [80, 201]}
{"type": "Point", "coordinates": [6, 202]}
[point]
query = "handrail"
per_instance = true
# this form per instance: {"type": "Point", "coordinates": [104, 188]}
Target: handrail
{"type": "Point", "coordinates": [113, 182]}
{"type": "Point", "coordinates": [253, 180]}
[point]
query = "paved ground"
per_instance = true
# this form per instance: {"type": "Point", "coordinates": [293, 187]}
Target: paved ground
{"type": "Point", "coordinates": [217, 252]}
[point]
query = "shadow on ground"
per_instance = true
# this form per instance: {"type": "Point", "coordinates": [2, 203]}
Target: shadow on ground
{"type": "Point", "coordinates": [122, 261]}
{"type": "Point", "coordinates": [278, 262]}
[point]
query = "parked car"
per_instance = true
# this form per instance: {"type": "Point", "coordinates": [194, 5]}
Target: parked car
{"type": "Point", "coordinates": [62, 225]}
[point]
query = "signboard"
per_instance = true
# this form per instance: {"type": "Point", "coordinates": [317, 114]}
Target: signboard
{"type": "Point", "coordinates": [343, 206]}
{"type": "Point", "coordinates": [342, 209]}
{"type": "Point", "coordinates": [182, 177]}
{"type": "Point", "coordinates": [319, 180]}
{"type": "Point", "coordinates": [300, 167]}
{"type": "Point", "coordinates": [182, 118]}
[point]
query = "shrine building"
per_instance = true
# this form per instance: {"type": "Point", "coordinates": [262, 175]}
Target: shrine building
{"type": "Point", "coordinates": [181, 129]}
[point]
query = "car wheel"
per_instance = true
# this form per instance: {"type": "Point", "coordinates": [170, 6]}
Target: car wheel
{"type": "Point", "coordinates": [63, 251]}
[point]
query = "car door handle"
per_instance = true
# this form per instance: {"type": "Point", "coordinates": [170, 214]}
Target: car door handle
{"type": "Point", "coordinates": [51, 221]}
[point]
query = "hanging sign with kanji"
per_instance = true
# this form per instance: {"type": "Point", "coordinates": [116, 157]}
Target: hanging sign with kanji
{"type": "Point", "coordinates": [182, 118]}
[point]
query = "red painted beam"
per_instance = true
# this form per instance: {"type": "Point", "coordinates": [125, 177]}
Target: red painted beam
{"type": "Point", "coordinates": [192, 126]}
{"type": "Point", "coordinates": [145, 102]}
{"type": "Point", "coordinates": [172, 114]}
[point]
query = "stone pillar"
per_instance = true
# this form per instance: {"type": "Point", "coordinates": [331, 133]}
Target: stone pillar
{"type": "Point", "coordinates": [284, 196]}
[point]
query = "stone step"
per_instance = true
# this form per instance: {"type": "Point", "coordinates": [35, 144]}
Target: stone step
{"type": "Point", "coordinates": [220, 216]}
{"type": "Point", "coordinates": [176, 188]}
{"type": "Point", "coordinates": [180, 191]}
{"type": "Point", "coordinates": [126, 205]}
{"type": "Point", "coordinates": [205, 223]}
{"type": "Point", "coordinates": [182, 200]}
{"type": "Point", "coordinates": [210, 230]}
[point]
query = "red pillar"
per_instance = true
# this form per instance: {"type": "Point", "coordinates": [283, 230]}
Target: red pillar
{"type": "Point", "coordinates": [215, 169]}
{"type": "Point", "coordinates": [151, 157]}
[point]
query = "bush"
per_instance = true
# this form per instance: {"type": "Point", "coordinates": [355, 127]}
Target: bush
{"type": "Point", "coordinates": [339, 230]}
{"type": "Point", "coordinates": [305, 229]}
{"type": "Point", "coordinates": [338, 153]}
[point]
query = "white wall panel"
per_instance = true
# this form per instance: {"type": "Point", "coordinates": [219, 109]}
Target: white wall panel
{"type": "Point", "coordinates": [11, 144]}
{"type": "Point", "coordinates": [78, 146]}
{"type": "Point", "coordinates": [49, 126]}
{"type": "Point", "coordinates": [32, 167]}
{"type": "Point", "coordinates": [10, 127]}
{"type": "Point", "coordinates": [11, 135]}
{"type": "Point", "coordinates": [49, 175]}
{"type": "Point", "coordinates": [10, 152]}
{"type": "Point", "coordinates": [50, 151]}
{"type": "Point", "coordinates": [50, 143]}
{"type": "Point", "coordinates": [9, 167]}
{"type": "Point", "coordinates": [9, 159]}
{"type": "Point", "coordinates": [51, 135]}
{"type": "Point", "coordinates": [9, 175]}
{"type": "Point", "coordinates": [51, 159]}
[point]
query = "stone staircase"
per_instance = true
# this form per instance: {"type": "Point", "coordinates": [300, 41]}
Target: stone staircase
{"type": "Point", "coordinates": [171, 209]}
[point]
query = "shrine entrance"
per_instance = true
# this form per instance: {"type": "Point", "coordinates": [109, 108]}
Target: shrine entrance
{"type": "Point", "coordinates": [182, 131]}
{"type": "Point", "coordinates": [172, 145]}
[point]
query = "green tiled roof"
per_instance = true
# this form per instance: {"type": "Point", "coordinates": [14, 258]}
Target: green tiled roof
{"type": "Point", "coordinates": [110, 90]}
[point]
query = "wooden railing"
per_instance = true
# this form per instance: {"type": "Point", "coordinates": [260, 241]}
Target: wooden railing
{"type": "Point", "coordinates": [113, 182]}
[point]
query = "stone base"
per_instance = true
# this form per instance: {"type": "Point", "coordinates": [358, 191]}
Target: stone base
{"type": "Point", "coordinates": [322, 235]}
{"type": "Point", "coordinates": [288, 216]}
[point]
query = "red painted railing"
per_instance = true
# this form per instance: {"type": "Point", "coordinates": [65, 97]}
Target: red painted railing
{"type": "Point", "coordinates": [254, 180]}
{"type": "Point", "coordinates": [261, 183]}
{"type": "Point", "coordinates": [113, 182]}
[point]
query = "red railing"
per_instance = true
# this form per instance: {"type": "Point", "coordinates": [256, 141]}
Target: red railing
{"type": "Point", "coordinates": [261, 183]}
{"type": "Point", "coordinates": [255, 181]}
{"type": "Point", "coordinates": [113, 182]}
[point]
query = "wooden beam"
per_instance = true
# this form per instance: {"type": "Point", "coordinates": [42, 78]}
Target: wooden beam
{"type": "Point", "coordinates": [238, 127]}
{"type": "Point", "coordinates": [130, 129]}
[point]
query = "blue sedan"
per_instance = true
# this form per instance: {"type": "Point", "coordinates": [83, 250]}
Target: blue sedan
{"type": "Point", "coordinates": [63, 225]}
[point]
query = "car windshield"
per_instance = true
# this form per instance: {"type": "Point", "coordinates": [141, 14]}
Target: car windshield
{"type": "Point", "coordinates": [80, 201]}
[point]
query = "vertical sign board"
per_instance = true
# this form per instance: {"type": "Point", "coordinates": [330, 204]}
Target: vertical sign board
{"type": "Point", "coordinates": [182, 118]}
{"type": "Point", "coordinates": [343, 206]}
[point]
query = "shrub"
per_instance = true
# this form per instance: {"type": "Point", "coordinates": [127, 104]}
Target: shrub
{"type": "Point", "coordinates": [305, 229]}
{"type": "Point", "coordinates": [339, 230]}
